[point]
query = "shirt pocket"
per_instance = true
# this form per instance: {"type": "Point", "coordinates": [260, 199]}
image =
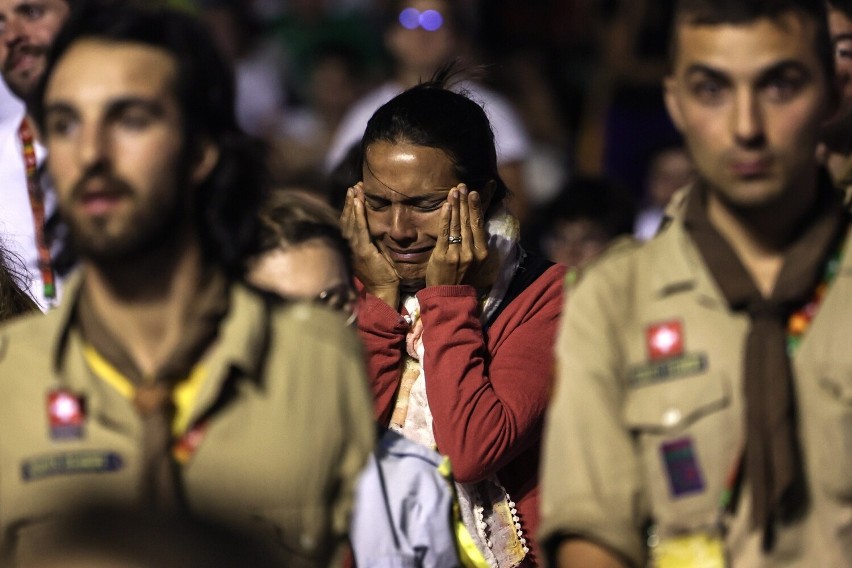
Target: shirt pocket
{"type": "Point", "coordinates": [687, 437]}
{"type": "Point", "coordinates": [831, 440]}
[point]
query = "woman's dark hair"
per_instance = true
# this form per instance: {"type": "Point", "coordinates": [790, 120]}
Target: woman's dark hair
{"type": "Point", "coordinates": [432, 115]}
{"type": "Point", "coordinates": [13, 300]}
{"type": "Point", "coordinates": [291, 217]}
{"type": "Point", "coordinates": [227, 202]}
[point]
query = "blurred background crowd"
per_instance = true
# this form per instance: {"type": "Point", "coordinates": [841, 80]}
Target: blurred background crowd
{"type": "Point", "coordinates": [572, 87]}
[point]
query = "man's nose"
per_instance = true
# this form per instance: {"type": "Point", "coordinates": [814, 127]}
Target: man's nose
{"type": "Point", "coordinates": [92, 146]}
{"type": "Point", "coordinates": [747, 119]}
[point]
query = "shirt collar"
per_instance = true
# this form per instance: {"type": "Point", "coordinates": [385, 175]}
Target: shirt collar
{"type": "Point", "coordinates": [243, 331]}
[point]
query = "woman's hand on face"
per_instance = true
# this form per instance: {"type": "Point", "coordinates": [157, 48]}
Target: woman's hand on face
{"type": "Point", "coordinates": [462, 240]}
{"type": "Point", "coordinates": [372, 268]}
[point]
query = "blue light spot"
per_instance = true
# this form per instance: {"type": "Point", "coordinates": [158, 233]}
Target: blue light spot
{"type": "Point", "coordinates": [409, 18]}
{"type": "Point", "coordinates": [431, 20]}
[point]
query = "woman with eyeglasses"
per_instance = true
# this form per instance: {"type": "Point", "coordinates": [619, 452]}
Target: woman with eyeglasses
{"type": "Point", "coordinates": [458, 321]}
{"type": "Point", "coordinates": [302, 252]}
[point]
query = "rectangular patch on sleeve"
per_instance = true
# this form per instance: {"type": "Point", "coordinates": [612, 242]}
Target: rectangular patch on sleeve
{"type": "Point", "coordinates": [682, 467]}
{"type": "Point", "coordinates": [668, 370]}
{"type": "Point", "coordinates": [70, 463]}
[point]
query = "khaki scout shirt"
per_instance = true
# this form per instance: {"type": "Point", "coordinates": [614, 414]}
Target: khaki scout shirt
{"type": "Point", "coordinates": [647, 420]}
{"type": "Point", "coordinates": [289, 427]}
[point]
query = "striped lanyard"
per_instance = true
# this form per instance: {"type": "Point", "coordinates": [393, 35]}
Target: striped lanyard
{"type": "Point", "coordinates": [37, 205]}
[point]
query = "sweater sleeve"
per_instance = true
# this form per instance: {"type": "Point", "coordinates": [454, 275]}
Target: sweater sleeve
{"type": "Point", "coordinates": [382, 331]}
{"type": "Point", "coordinates": [488, 394]}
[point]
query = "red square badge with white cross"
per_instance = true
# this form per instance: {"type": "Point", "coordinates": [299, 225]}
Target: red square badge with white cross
{"type": "Point", "coordinates": [66, 414]}
{"type": "Point", "coordinates": [664, 340]}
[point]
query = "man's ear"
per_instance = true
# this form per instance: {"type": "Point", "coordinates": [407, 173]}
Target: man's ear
{"type": "Point", "coordinates": [670, 97]}
{"type": "Point", "coordinates": [206, 160]}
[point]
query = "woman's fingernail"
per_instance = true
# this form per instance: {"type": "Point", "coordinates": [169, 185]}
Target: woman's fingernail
{"type": "Point", "coordinates": [463, 189]}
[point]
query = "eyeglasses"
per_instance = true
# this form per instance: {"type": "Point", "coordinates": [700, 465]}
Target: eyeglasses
{"type": "Point", "coordinates": [341, 298]}
{"type": "Point", "coordinates": [429, 20]}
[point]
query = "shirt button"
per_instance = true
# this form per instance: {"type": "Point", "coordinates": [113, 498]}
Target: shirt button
{"type": "Point", "coordinates": [308, 542]}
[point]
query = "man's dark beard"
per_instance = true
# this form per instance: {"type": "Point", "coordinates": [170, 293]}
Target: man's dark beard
{"type": "Point", "coordinates": [23, 92]}
{"type": "Point", "coordinates": [151, 233]}
{"type": "Point", "coordinates": [149, 230]}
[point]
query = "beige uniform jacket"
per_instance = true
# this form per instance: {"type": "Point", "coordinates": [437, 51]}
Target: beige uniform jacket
{"type": "Point", "coordinates": [648, 415]}
{"type": "Point", "coordinates": [289, 427]}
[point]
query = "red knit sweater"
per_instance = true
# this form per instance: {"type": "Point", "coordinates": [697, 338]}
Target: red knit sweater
{"type": "Point", "coordinates": [488, 394]}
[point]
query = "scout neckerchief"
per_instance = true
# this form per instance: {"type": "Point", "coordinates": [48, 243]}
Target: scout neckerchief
{"type": "Point", "coordinates": [153, 395]}
{"type": "Point", "coordinates": [25, 133]}
{"type": "Point", "coordinates": [488, 513]}
{"type": "Point", "coordinates": [797, 325]}
{"type": "Point", "coordinates": [772, 460]}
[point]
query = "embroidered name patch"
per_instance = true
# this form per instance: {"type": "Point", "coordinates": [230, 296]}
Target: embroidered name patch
{"type": "Point", "coordinates": [682, 467]}
{"type": "Point", "coordinates": [86, 461]}
{"type": "Point", "coordinates": [666, 370]}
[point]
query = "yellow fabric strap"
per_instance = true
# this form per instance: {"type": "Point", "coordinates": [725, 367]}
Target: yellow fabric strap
{"type": "Point", "coordinates": [469, 554]}
{"type": "Point", "coordinates": [183, 395]}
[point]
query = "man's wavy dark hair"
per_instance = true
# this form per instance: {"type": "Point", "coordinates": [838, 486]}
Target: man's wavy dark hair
{"type": "Point", "coordinates": [719, 12]}
{"type": "Point", "coordinates": [227, 202]}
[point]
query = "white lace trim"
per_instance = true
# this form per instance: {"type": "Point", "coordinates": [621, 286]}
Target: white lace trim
{"type": "Point", "coordinates": [499, 537]}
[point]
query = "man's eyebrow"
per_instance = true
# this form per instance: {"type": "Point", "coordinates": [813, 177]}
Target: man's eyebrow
{"type": "Point", "coordinates": [115, 107]}
{"type": "Point", "coordinates": [118, 106]}
{"type": "Point", "coordinates": [701, 69]}
{"type": "Point", "coordinates": [23, 6]}
{"type": "Point", "coordinates": [785, 66]}
{"type": "Point", "coordinates": [59, 107]}
{"type": "Point", "coordinates": [841, 37]}
{"type": "Point", "coordinates": [782, 66]}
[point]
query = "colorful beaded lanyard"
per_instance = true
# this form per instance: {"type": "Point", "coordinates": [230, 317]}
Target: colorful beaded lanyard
{"type": "Point", "coordinates": [800, 320]}
{"type": "Point", "coordinates": [37, 206]}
